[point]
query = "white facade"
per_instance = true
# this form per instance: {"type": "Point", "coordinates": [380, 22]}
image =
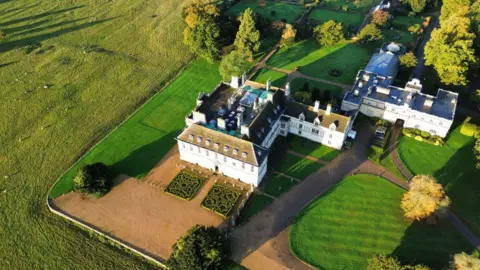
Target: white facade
{"type": "Point", "coordinates": [225, 165]}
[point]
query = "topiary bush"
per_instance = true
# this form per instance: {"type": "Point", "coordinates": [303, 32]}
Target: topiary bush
{"type": "Point", "coordinates": [407, 132]}
{"type": "Point", "coordinates": [425, 134]}
{"type": "Point", "coordinates": [93, 179]}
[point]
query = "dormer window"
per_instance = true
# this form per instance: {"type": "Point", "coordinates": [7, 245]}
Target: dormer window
{"type": "Point", "coordinates": [225, 148]}
{"type": "Point", "coordinates": [269, 120]}
{"type": "Point", "coordinates": [199, 139]}
{"type": "Point", "coordinates": [244, 154]}
{"type": "Point", "coordinates": [259, 135]}
{"type": "Point", "coordinates": [207, 142]}
{"type": "Point", "coordinates": [190, 136]}
{"type": "Point", "coordinates": [235, 151]}
{"type": "Point", "coordinates": [275, 111]}
{"type": "Point", "coordinates": [216, 145]}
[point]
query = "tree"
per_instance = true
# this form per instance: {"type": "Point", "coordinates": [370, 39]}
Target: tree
{"type": "Point", "coordinates": [450, 51]}
{"type": "Point", "coordinates": [288, 35]}
{"type": "Point", "coordinates": [370, 33]}
{"type": "Point", "coordinates": [234, 64]}
{"type": "Point", "coordinates": [247, 40]}
{"type": "Point", "coordinates": [383, 262]}
{"type": "Point", "coordinates": [329, 33]}
{"type": "Point", "coordinates": [463, 261]}
{"type": "Point", "coordinates": [202, 34]}
{"type": "Point", "coordinates": [201, 248]}
{"type": "Point", "coordinates": [380, 17]}
{"type": "Point", "coordinates": [450, 7]}
{"type": "Point", "coordinates": [408, 60]}
{"type": "Point", "coordinates": [476, 150]}
{"type": "Point", "coordinates": [93, 179]}
{"type": "Point", "coordinates": [424, 198]}
{"type": "Point", "coordinates": [417, 5]}
{"type": "Point", "coordinates": [303, 97]}
{"type": "Point", "coordinates": [417, 29]}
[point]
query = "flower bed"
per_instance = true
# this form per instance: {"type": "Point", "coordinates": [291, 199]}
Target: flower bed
{"type": "Point", "coordinates": [422, 136]}
{"type": "Point", "coordinates": [185, 185]}
{"type": "Point", "coordinates": [220, 200]}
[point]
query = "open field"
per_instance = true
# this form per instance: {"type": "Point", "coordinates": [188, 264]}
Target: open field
{"type": "Point", "coordinates": [361, 216]}
{"type": "Point", "coordinates": [44, 130]}
{"type": "Point", "coordinates": [315, 60]}
{"type": "Point", "coordinates": [324, 15]}
{"type": "Point", "coordinates": [278, 78]}
{"type": "Point", "coordinates": [454, 166]}
{"type": "Point", "coordinates": [335, 91]}
{"type": "Point", "coordinates": [274, 11]}
{"type": "Point", "coordinates": [311, 148]}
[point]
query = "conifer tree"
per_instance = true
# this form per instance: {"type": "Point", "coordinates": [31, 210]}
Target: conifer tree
{"type": "Point", "coordinates": [247, 40]}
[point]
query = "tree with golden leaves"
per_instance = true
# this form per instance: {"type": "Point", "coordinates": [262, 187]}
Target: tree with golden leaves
{"type": "Point", "coordinates": [288, 35]}
{"type": "Point", "coordinates": [424, 198]}
{"type": "Point", "coordinates": [463, 261]}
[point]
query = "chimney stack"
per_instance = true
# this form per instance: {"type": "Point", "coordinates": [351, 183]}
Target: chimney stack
{"type": "Point", "coordinates": [244, 78]}
{"type": "Point", "coordinates": [235, 81]}
{"type": "Point", "coordinates": [317, 106]}
{"type": "Point", "coordinates": [239, 119]}
{"type": "Point", "coordinates": [269, 84]}
{"type": "Point", "coordinates": [329, 109]}
{"type": "Point", "coordinates": [287, 90]}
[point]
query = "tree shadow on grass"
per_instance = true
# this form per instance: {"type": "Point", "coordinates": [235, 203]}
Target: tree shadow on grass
{"type": "Point", "coordinates": [431, 245]}
{"type": "Point", "coordinates": [293, 53]}
{"type": "Point", "coordinates": [140, 161]}
{"type": "Point", "coordinates": [39, 16]}
{"type": "Point", "coordinates": [7, 64]}
{"type": "Point", "coordinates": [39, 29]}
{"type": "Point", "coordinates": [7, 46]}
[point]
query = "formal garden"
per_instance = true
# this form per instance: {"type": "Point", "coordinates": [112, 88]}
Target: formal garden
{"type": "Point", "coordinates": [185, 185]}
{"type": "Point", "coordinates": [453, 164]}
{"type": "Point", "coordinates": [360, 217]}
{"type": "Point", "coordinates": [221, 199]}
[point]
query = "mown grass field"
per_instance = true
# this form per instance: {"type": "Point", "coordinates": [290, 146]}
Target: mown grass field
{"type": "Point", "coordinates": [138, 144]}
{"type": "Point", "coordinates": [454, 167]}
{"type": "Point", "coordinates": [315, 60]}
{"type": "Point", "coordinates": [44, 130]}
{"type": "Point", "coordinates": [298, 83]}
{"type": "Point", "coordinates": [360, 217]}
{"type": "Point", "coordinates": [278, 79]}
{"type": "Point", "coordinates": [324, 15]}
{"type": "Point", "coordinates": [274, 11]}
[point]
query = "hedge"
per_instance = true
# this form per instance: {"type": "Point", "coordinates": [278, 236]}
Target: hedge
{"type": "Point", "coordinates": [220, 199]}
{"type": "Point", "coordinates": [469, 129]}
{"type": "Point", "coordinates": [185, 185]}
{"type": "Point", "coordinates": [422, 136]}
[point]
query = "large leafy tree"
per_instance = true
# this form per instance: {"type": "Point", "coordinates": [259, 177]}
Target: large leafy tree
{"type": "Point", "coordinates": [234, 64]}
{"type": "Point", "coordinates": [247, 40]}
{"type": "Point", "coordinates": [93, 179]}
{"type": "Point", "coordinates": [408, 60]}
{"type": "Point", "coordinates": [370, 33]}
{"type": "Point", "coordinates": [380, 17]}
{"type": "Point", "coordinates": [450, 49]}
{"type": "Point", "coordinates": [329, 33]}
{"type": "Point", "coordinates": [202, 34]}
{"type": "Point", "coordinates": [450, 7]}
{"type": "Point", "coordinates": [383, 262]}
{"type": "Point", "coordinates": [463, 261]}
{"type": "Point", "coordinates": [201, 248]}
{"type": "Point", "coordinates": [288, 35]}
{"type": "Point", "coordinates": [424, 198]}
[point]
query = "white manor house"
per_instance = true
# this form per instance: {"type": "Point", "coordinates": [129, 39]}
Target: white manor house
{"type": "Point", "coordinates": [231, 129]}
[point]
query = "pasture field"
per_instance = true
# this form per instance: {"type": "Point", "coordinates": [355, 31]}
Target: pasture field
{"type": "Point", "coordinates": [90, 65]}
{"type": "Point", "coordinates": [324, 15]}
{"type": "Point", "coordinates": [453, 164]}
{"type": "Point", "coordinates": [360, 217]}
{"type": "Point", "coordinates": [274, 11]}
{"type": "Point", "coordinates": [315, 60]}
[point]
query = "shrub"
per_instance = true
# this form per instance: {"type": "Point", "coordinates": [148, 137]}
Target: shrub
{"type": "Point", "coordinates": [221, 200]}
{"type": "Point", "coordinates": [419, 138]}
{"type": "Point", "coordinates": [416, 29]}
{"type": "Point", "coordinates": [408, 60]}
{"type": "Point", "coordinates": [380, 17]}
{"type": "Point", "coordinates": [425, 134]}
{"type": "Point", "coordinates": [329, 33]}
{"type": "Point", "coordinates": [416, 131]}
{"type": "Point", "coordinates": [30, 48]}
{"type": "Point", "coordinates": [407, 132]}
{"type": "Point", "coordinates": [374, 153]}
{"type": "Point", "coordinates": [185, 185]}
{"type": "Point", "coordinates": [464, 261]}
{"type": "Point", "coordinates": [93, 179]}
{"type": "Point", "coordinates": [468, 129]}
{"type": "Point", "coordinates": [477, 135]}
{"type": "Point", "coordinates": [201, 248]}
{"type": "Point", "coordinates": [288, 35]}
{"type": "Point", "coordinates": [370, 33]}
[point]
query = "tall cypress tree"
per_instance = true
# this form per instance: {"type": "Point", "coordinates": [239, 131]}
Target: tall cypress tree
{"type": "Point", "coordinates": [247, 40]}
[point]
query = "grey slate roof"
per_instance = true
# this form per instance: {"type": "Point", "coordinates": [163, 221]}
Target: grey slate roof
{"type": "Point", "coordinates": [383, 64]}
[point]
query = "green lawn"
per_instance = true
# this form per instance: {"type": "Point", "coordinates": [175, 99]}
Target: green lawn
{"type": "Point", "coordinates": [43, 131]}
{"type": "Point", "coordinates": [454, 166]}
{"type": "Point", "coordinates": [400, 36]}
{"type": "Point", "coordinates": [256, 203]}
{"type": "Point", "coordinates": [363, 6]}
{"type": "Point", "coordinates": [278, 184]}
{"type": "Point", "coordinates": [404, 22]}
{"type": "Point", "coordinates": [297, 167]}
{"type": "Point", "coordinates": [388, 164]}
{"type": "Point", "coordinates": [324, 15]}
{"type": "Point", "coordinates": [138, 144]}
{"type": "Point", "coordinates": [311, 148]}
{"type": "Point", "coordinates": [274, 11]}
{"type": "Point", "coordinates": [360, 217]}
{"type": "Point", "coordinates": [278, 78]}
{"type": "Point", "coordinates": [317, 61]}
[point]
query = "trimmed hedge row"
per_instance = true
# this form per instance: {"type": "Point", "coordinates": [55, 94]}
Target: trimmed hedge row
{"type": "Point", "coordinates": [221, 200]}
{"type": "Point", "coordinates": [185, 185]}
{"type": "Point", "coordinates": [422, 136]}
{"type": "Point", "coordinates": [469, 129]}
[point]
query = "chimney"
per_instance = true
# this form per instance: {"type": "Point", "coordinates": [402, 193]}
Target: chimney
{"type": "Point", "coordinates": [244, 78]}
{"type": "Point", "coordinates": [329, 109]}
{"type": "Point", "coordinates": [270, 96]}
{"type": "Point", "coordinates": [255, 104]}
{"type": "Point", "coordinates": [221, 123]}
{"type": "Point", "coordinates": [269, 84]}
{"type": "Point", "coordinates": [239, 119]}
{"type": "Point", "coordinates": [287, 90]}
{"type": "Point", "coordinates": [317, 105]}
{"type": "Point", "coordinates": [235, 81]}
